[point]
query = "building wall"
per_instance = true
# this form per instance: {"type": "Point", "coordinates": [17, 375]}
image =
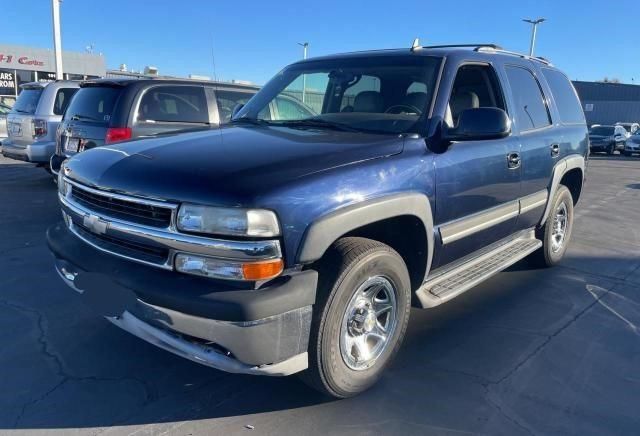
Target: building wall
{"type": "Point", "coordinates": [609, 103]}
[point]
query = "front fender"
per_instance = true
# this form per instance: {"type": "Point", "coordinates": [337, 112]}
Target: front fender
{"type": "Point", "coordinates": [328, 228]}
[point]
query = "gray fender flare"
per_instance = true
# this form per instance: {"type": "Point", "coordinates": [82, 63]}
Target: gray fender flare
{"type": "Point", "coordinates": [562, 167]}
{"type": "Point", "coordinates": [328, 228]}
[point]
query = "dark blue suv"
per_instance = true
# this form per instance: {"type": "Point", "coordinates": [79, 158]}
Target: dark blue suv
{"type": "Point", "coordinates": [297, 240]}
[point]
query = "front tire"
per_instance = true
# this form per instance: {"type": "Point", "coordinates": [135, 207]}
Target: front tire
{"type": "Point", "coordinates": [360, 318]}
{"type": "Point", "coordinates": [556, 231]}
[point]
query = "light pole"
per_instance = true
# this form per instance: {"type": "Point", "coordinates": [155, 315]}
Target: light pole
{"type": "Point", "coordinates": [57, 42]}
{"type": "Point", "coordinates": [305, 49]}
{"type": "Point", "coordinates": [533, 32]}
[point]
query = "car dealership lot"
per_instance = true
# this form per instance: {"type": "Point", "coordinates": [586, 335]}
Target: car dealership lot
{"type": "Point", "coordinates": [528, 352]}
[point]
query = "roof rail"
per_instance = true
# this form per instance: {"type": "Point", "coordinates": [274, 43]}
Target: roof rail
{"type": "Point", "coordinates": [475, 46]}
{"type": "Point", "coordinates": [513, 53]}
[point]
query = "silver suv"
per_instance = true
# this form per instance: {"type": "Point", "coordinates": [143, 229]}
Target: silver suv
{"type": "Point", "coordinates": [33, 121]}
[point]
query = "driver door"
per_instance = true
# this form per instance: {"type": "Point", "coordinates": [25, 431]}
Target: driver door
{"type": "Point", "coordinates": [477, 182]}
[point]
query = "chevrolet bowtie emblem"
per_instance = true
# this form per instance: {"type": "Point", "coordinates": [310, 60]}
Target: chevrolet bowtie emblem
{"type": "Point", "coordinates": [95, 224]}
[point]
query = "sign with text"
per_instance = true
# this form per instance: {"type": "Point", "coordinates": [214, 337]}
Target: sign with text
{"type": "Point", "coordinates": [7, 82]}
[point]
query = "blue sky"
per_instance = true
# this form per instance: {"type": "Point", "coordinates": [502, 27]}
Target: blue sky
{"type": "Point", "coordinates": [252, 40]}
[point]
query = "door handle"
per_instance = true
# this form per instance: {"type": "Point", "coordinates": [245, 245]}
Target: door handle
{"type": "Point", "coordinates": [555, 150]}
{"type": "Point", "coordinates": [513, 160]}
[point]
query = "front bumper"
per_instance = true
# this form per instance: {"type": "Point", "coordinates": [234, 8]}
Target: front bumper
{"type": "Point", "coordinates": [258, 331]}
{"type": "Point", "coordinates": [37, 152]}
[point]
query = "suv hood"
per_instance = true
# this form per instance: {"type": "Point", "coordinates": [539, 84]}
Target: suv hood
{"type": "Point", "coordinates": [230, 165]}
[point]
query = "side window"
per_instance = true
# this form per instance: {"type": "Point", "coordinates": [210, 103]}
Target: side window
{"type": "Point", "coordinates": [531, 108]}
{"type": "Point", "coordinates": [290, 109]}
{"type": "Point", "coordinates": [176, 104]}
{"type": "Point", "coordinates": [228, 100]}
{"type": "Point", "coordinates": [565, 97]}
{"type": "Point", "coordinates": [475, 86]}
{"type": "Point", "coordinates": [63, 97]}
{"type": "Point", "coordinates": [365, 84]}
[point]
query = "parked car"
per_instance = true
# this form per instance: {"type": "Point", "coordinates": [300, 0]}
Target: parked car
{"type": "Point", "coordinates": [4, 111]}
{"type": "Point", "coordinates": [34, 118]}
{"type": "Point", "coordinates": [106, 111]}
{"type": "Point", "coordinates": [607, 139]}
{"type": "Point", "coordinates": [630, 128]}
{"type": "Point", "coordinates": [289, 242]}
{"type": "Point", "coordinates": [632, 144]}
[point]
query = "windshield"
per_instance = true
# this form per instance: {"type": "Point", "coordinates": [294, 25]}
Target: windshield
{"type": "Point", "coordinates": [93, 103]}
{"type": "Point", "coordinates": [602, 131]}
{"type": "Point", "coordinates": [390, 94]}
{"type": "Point", "coordinates": [27, 101]}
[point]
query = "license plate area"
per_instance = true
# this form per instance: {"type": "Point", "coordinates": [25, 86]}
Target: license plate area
{"type": "Point", "coordinates": [15, 129]}
{"type": "Point", "coordinates": [72, 145]}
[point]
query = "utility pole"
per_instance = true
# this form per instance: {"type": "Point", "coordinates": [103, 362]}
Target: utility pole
{"type": "Point", "coordinates": [533, 32]}
{"type": "Point", "coordinates": [57, 42]}
{"type": "Point", "coordinates": [305, 49]}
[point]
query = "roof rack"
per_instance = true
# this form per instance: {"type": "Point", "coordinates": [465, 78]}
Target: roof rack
{"type": "Point", "coordinates": [486, 48]}
{"type": "Point", "coordinates": [475, 46]}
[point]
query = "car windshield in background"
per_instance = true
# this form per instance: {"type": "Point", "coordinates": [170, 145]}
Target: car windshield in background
{"type": "Point", "coordinates": [376, 94]}
{"type": "Point", "coordinates": [602, 131]}
{"type": "Point", "coordinates": [93, 103]}
{"type": "Point", "coordinates": [27, 101]}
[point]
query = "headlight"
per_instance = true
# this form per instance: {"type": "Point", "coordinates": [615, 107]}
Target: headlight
{"type": "Point", "coordinates": [227, 221]}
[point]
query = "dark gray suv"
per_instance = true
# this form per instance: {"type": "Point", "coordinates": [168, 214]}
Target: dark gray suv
{"type": "Point", "coordinates": [107, 111]}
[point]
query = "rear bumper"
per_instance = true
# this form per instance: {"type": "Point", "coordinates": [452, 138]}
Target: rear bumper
{"type": "Point", "coordinates": [37, 152]}
{"type": "Point", "coordinates": [257, 331]}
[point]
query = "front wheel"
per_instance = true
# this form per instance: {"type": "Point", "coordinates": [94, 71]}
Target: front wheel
{"type": "Point", "coordinates": [556, 231]}
{"type": "Point", "coordinates": [360, 318]}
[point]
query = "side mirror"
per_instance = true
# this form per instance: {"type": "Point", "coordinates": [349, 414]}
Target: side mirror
{"type": "Point", "coordinates": [480, 123]}
{"type": "Point", "coordinates": [236, 109]}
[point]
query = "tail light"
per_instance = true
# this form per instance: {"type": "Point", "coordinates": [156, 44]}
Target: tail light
{"type": "Point", "coordinates": [39, 128]}
{"type": "Point", "coordinates": [117, 134]}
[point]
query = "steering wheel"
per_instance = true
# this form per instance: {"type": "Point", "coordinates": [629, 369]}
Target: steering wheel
{"type": "Point", "coordinates": [399, 108]}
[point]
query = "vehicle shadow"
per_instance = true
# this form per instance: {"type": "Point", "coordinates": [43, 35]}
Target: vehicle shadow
{"type": "Point", "coordinates": [90, 374]}
{"type": "Point", "coordinates": [615, 157]}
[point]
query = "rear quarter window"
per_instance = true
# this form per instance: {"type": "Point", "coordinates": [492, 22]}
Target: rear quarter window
{"type": "Point", "coordinates": [531, 107]}
{"type": "Point", "coordinates": [93, 103]}
{"type": "Point", "coordinates": [565, 97]}
{"type": "Point", "coordinates": [63, 97]}
{"type": "Point", "coordinates": [175, 104]}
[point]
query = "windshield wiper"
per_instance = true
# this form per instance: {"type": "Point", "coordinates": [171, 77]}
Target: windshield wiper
{"type": "Point", "coordinates": [247, 120]}
{"type": "Point", "coordinates": [311, 122]}
{"type": "Point", "coordinates": [77, 117]}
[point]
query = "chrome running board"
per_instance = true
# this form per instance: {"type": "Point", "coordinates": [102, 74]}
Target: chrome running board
{"type": "Point", "coordinates": [460, 279]}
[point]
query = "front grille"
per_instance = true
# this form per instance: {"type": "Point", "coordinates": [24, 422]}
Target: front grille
{"type": "Point", "coordinates": [145, 214]}
{"type": "Point", "coordinates": [128, 248]}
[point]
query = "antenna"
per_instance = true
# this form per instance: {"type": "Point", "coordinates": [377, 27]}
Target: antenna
{"type": "Point", "coordinates": [213, 60]}
{"type": "Point", "coordinates": [416, 44]}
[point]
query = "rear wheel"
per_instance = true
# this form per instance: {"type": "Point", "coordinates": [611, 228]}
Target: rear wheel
{"type": "Point", "coordinates": [556, 232]}
{"type": "Point", "coordinates": [360, 318]}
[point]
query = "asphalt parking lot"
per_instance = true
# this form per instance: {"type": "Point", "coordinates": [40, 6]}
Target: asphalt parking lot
{"type": "Point", "coordinates": [528, 352]}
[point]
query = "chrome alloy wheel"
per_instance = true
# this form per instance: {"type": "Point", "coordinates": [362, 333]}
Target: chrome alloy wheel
{"type": "Point", "coordinates": [369, 323]}
{"type": "Point", "coordinates": [559, 231]}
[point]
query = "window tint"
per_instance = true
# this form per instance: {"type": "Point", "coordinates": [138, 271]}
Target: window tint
{"type": "Point", "coordinates": [27, 101]}
{"type": "Point", "coordinates": [63, 97]}
{"type": "Point", "coordinates": [602, 131]}
{"type": "Point", "coordinates": [475, 86]}
{"type": "Point", "coordinates": [531, 109]}
{"type": "Point", "coordinates": [93, 103]}
{"type": "Point", "coordinates": [178, 104]}
{"type": "Point", "coordinates": [289, 108]}
{"type": "Point", "coordinates": [227, 100]}
{"type": "Point", "coordinates": [565, 97]}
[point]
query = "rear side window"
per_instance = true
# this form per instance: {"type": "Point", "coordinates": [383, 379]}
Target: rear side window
{"type": "Point", "coordinates": [27, 101]}
{"type": "Point", "coordinates": [228, 100]}
{"type": "Point", "coordinates": [565, 97]}
{"type": "Point", "coordinates": [63, 97]}
{"type": "Point", "coordinates": [175, 104]}
{"type": "Point", "coordinates": [93, 103]}
{"type": "Point", "coordinates": [530, 105]}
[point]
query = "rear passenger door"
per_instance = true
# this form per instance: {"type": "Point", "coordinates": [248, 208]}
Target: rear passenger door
{"type": "Point", "coordinates": [166, 108]}
{"type": "Point", "coordinates": [540, 142]}
{"type": "Point", "coordinates": [477, 187]}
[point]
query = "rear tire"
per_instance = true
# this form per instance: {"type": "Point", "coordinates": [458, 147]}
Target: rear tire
{"type": "Point", "coordinates": [364, 290]}
{"type": "Point", "coordinates": [555, 234]}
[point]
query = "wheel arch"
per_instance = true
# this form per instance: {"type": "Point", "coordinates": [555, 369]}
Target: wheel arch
{"type": "Point", "coordinates": [402, 221]}
{"type": "Point", "coordinates": [570, 172]}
